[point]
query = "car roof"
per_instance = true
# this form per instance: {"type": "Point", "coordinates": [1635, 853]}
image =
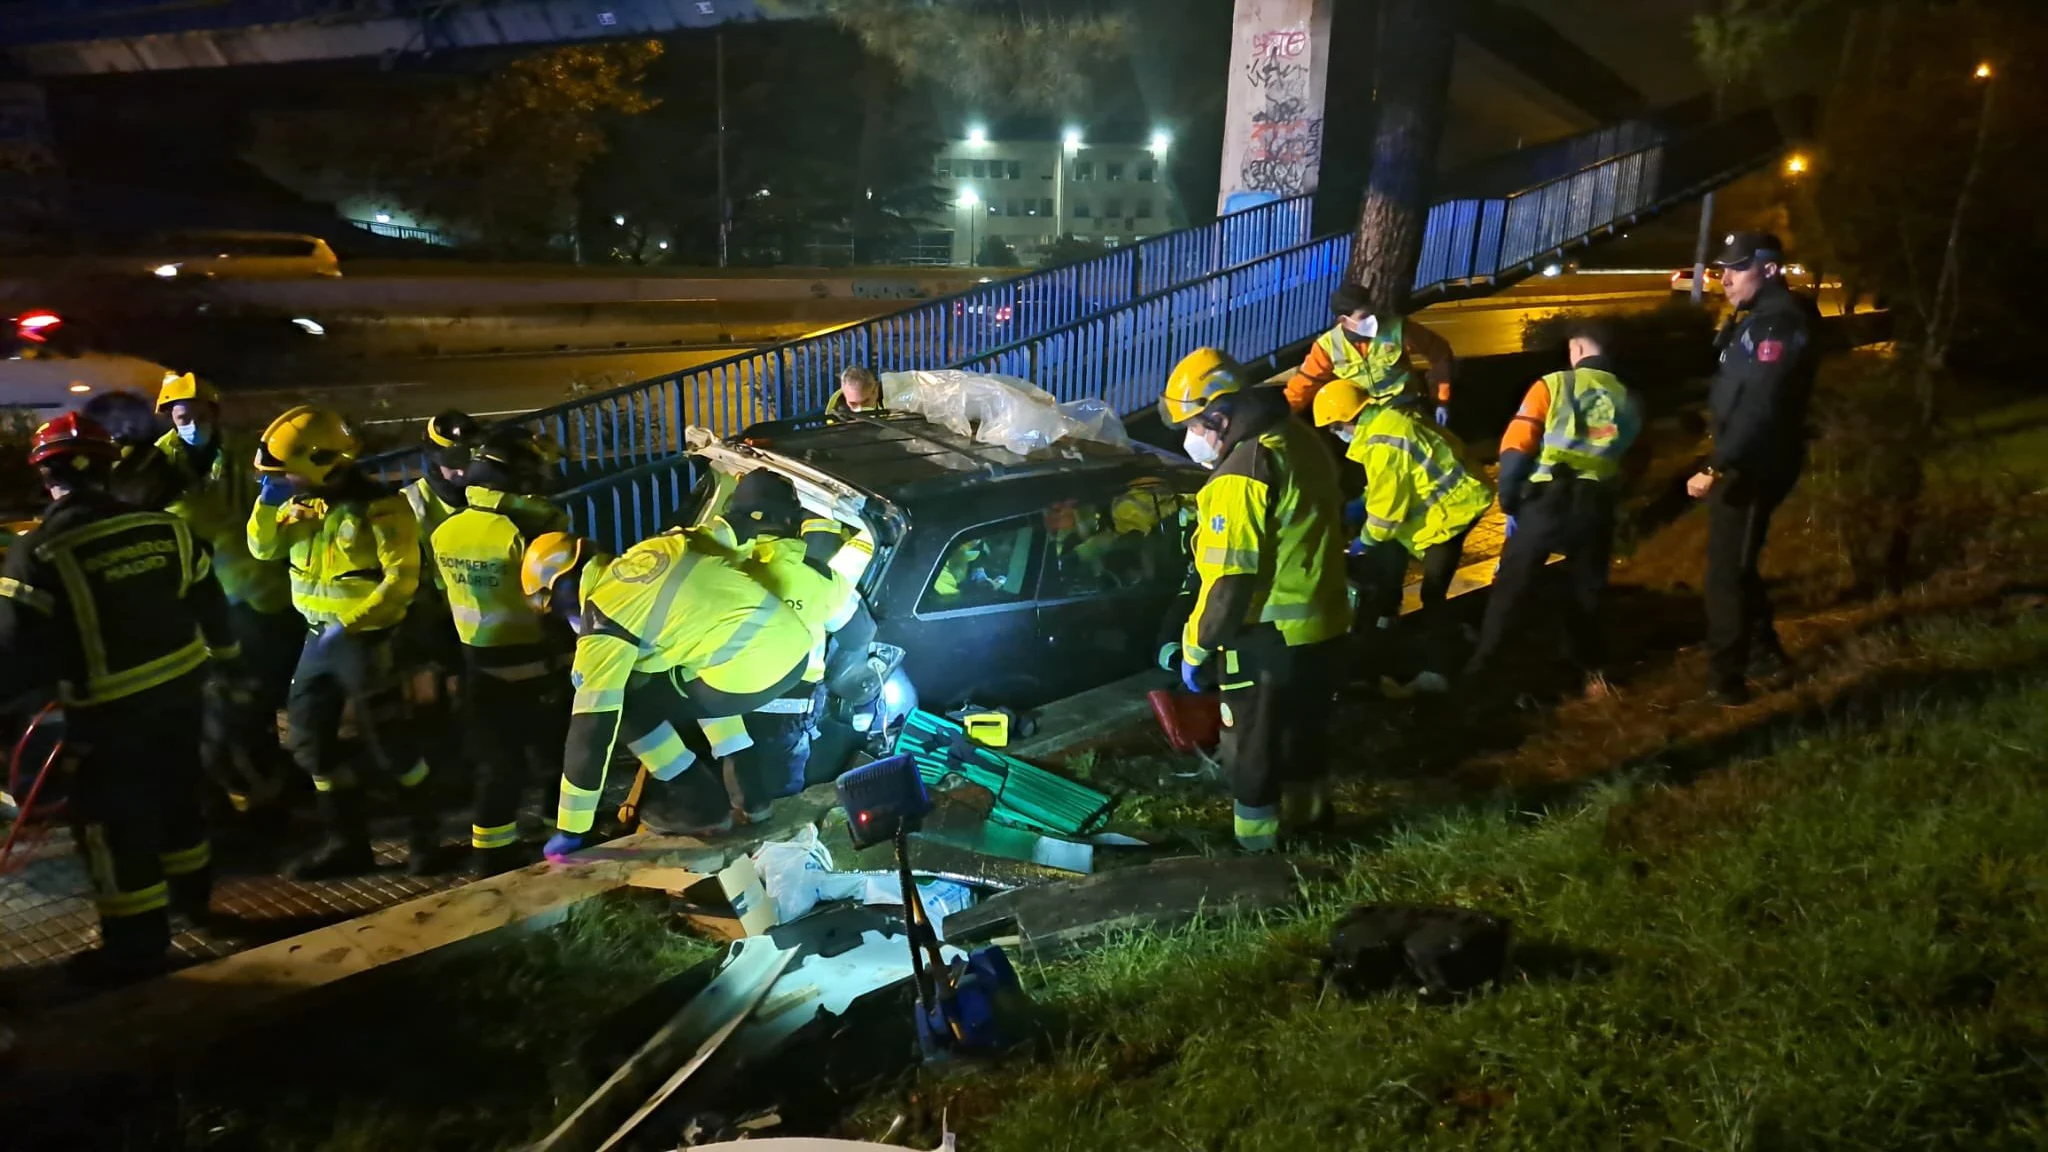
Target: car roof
{"type": "Point", "coordinates": [904, 458]}
{"type": "Point", "coordinates": [238, 234]}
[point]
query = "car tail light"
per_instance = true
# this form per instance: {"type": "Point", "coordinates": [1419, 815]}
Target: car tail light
{"type": "Point", "coordinates": [37, 325]}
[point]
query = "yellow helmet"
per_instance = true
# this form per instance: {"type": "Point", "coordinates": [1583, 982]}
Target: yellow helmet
{"type": "Point", "coordinates": [1196, 382]}
{"type": "Point", "coordinates": [551, 557]}
{"type": "Point", "coordinates": [1339, 401]}
{"type": "Point", "coordinates": [308, 443]}
{"type": "Point", "coordinates": [184, 388]}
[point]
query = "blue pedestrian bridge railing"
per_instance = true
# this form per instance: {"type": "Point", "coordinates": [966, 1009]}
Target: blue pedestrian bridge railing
{"type": "Point", "coordinates": [1122, 353]}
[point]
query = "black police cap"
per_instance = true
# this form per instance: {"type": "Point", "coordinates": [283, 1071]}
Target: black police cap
{"type": "Point", "coordinates": [1739, 248]}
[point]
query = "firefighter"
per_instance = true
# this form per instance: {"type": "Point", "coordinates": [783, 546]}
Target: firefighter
{"type": "Point", "coordinates": [1375, 354]}
{"type": "Point", "coordinates": [1272, 611]}
{"type": "Point", "coordinates": [791, 556]}
{"type": "Point", "coordinates": [1420, 501]}
{"type": "Point", "coordinates": [513, 696]}
{"type": "Point", "coordinates": [354, 550]}
{"type": "Point", "coordinates": [219, 489]}
{"type": "Point", "coordinates": [1561, 463]}
{"type": "Point", "coordinates": [111, 608]}
{"type": "Point", "coordinates": [448, 441]}
{"type": "Point", "coordinates": [673, 637]}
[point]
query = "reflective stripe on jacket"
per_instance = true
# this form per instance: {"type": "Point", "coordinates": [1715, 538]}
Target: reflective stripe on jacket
{"type": "Point", "coordinates": [1271, 512]}
{"type": "Point", "coordinates": [479, 549]}
{"type": "Point", "coordinates": [355, 558]}
{"type": "Point", "coordinates": [1590, 425]}
{"type": "Point", "coordinates": [1417, 489]}
{"type": "Point", "coordinates": [1381, 368]}
{"type": "Point", "coordinates": [823, 600]}
{"type": "Point", "coordinates": [678, 602]}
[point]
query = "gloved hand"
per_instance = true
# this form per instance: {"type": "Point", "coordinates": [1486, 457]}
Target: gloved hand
{"type": "Point", "coordinates": [1443, 415]}
{"type": "Point", "coordinates": [1169, 656]}
{"type": "Point", "coordinates": [1198, 678]}
{"type": "Point", "coordinates": [1354, 514]}
{"type": "Point", "coordinates": [1355, 548]}
{"type": "Point", "coordinates": [273, 490]}
{"type": "Point", "coordinates": [561, 844]}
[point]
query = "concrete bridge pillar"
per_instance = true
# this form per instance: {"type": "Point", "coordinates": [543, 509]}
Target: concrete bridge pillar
{"type": "Point", "coordinates": [1273, 122]}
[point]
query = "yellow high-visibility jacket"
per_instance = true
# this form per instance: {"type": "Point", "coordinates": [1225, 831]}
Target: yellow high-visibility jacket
{"type": "Point", "coordinates": [1417, 489]}
{"type": "Point", "coordinates": [214, 504]}
{"type": "Point", "coordinates": [354, 553]}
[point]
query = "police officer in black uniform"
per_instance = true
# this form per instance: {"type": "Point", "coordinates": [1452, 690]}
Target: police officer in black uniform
{"type": "Point", "coordinates": [114, 610]}
{"type": "Point", "coordinates": [1757, 409]}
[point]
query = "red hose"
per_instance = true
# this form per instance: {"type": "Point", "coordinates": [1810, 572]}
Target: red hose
{"type": "Point", "coordinates": [28, 802]}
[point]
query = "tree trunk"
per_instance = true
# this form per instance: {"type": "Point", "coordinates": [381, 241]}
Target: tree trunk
{"type": "Point", "coordinates": [1416, 43]}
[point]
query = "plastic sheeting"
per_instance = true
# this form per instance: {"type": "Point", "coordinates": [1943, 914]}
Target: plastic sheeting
{"type": "Point", "coordinates": [1002, 410]}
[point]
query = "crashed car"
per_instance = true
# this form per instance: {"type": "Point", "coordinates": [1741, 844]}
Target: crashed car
{"type": "Point", "coordinates": [986, 576]}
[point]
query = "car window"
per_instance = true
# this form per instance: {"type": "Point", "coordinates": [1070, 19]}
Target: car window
{"type": "Point", "coordinates": [1131, 541]}
{"type": "Point", "coordinates": [984, 566]}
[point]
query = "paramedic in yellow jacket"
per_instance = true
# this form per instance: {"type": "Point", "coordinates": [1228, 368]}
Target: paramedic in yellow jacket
{"type": "Point", "coordinates": [514, 697]}
{"type": "Point", "coordinates": [219, 491]}
{"type": "Point", "coordinates": [1270, 618]}
{"type": "Point", "coordinates": [675, 642]}
{"type": "Point", "coordinates": [790, 554]}
{"type": "Point", "coordinates": [354, 551]}
{"type": "Point", "coordinates": [1421, 501]}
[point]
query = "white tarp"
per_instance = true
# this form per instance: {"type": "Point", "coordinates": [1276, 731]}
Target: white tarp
{"type": "Point", "coordinates": [1001, 410]}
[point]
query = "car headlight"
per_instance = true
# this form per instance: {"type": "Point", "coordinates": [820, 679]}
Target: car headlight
{"type": "Point", "coordinates": [309, 327]}
{"type": "Point", "coordinates": [165, 271]}
{"type": "Point", "coordinates": [1552, 269]}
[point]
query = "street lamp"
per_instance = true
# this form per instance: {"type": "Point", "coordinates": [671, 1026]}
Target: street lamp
{"type": "Point", "coordinates": [1984, 71]}
{"type": "Point", "coordinates": [1161, 141]}
{"type": "Point", "coordinates": [977, 136]}
{"type": "Point", "coordinates": [969, 199]}
{"type": "Point", "coordinates": [1072, 140]}
{"type": "Point", "coordinates": [619, 220]}
{"type": "Point", "coordinates": [1795, 164]}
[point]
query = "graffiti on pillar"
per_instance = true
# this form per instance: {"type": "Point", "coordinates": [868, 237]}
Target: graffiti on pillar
{"type": "Point", "coordinates": [1286, 139]}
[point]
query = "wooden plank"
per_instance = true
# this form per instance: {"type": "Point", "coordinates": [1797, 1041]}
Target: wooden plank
{"type": "Point", "coordinates": [197, 1006]}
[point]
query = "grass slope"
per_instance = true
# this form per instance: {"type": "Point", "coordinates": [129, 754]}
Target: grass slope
{"type": "Point", "coordinates": [1837, 942]}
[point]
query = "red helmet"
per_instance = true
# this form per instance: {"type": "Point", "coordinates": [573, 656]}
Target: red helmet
{"type": "Point", "coordinates": [75, 436]}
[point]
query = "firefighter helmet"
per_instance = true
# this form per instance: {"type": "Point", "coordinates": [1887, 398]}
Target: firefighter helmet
{"type": "Point", "coordinates": [1196, 382]}
{"type": "Point", "coordinates": [77, 438]}
{"type": "Point", "coordinates": [550, 559]}
{"type": "Point", "coordinates": [451, 437]}
{"type": "Point", "coordinates": [309, 444]}
{"type": "Point", "coordinates": [184, 388]}
{"type": "Point", "coordinates": [1339, 402]}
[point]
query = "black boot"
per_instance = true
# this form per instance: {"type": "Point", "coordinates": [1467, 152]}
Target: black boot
{"type": "Point", "coordinates": [346, 849]}
{"type": "Point", "coordinates": [488, 862]}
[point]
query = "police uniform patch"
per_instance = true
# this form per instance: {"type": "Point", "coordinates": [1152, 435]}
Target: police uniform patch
{"type": "Point", "coordinates": [639, 566]}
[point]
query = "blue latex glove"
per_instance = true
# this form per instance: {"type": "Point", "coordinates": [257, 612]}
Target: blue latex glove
{"type": "Point", "coordinates": [1354, 514]}
{"type": "Point", "coordinates": [561, 844]}
{"type": "Point", "coordinates": [1355, 548]}
{"type": "Point", "coordinates": [1443, 416]}
{"type": "Point", "coordinates": [273, 490]}
{"type": "Point", "coordinates": [1191, 677]}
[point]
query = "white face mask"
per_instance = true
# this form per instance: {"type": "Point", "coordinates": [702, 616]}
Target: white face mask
{"type": "Point", "coordinates": [1343, 434]}
{"type": "Point", "coordinates": [1364, 329]}
{"type": "Point", "coordinates": [1199, 449]}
